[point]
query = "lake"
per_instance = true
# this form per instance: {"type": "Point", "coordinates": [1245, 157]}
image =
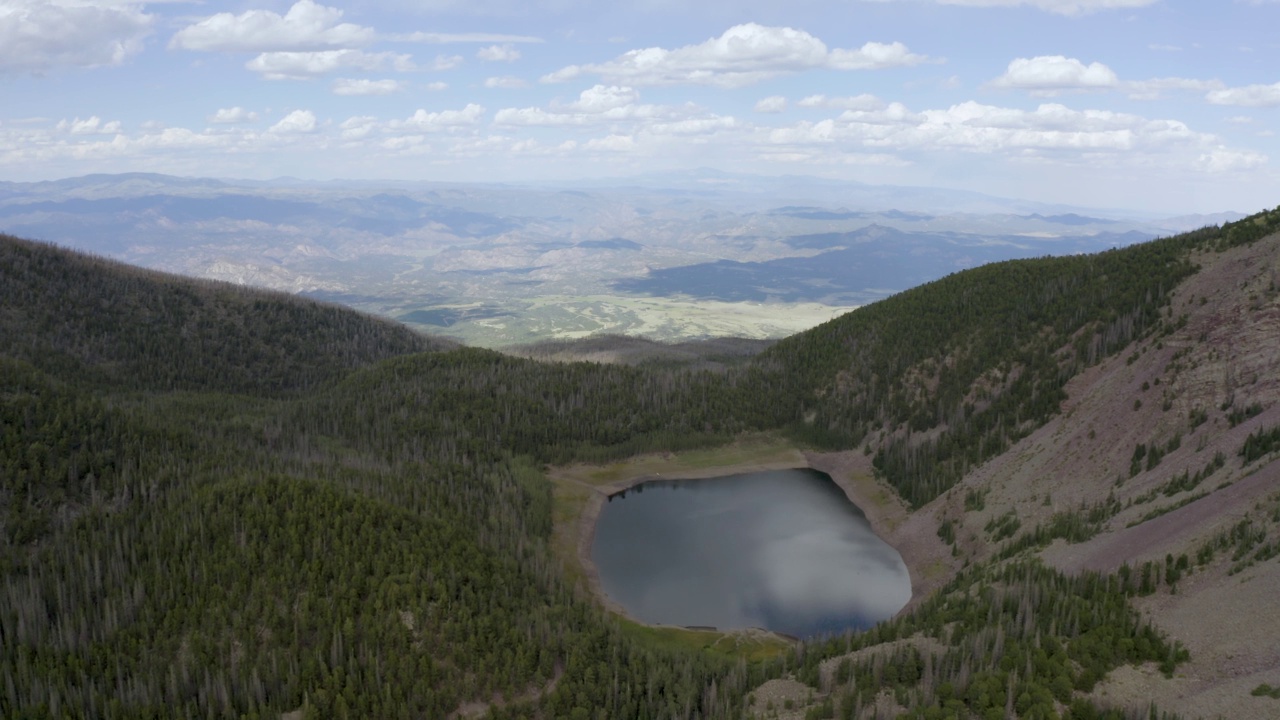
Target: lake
{"type": "Point", "coordinates": [782, 550]}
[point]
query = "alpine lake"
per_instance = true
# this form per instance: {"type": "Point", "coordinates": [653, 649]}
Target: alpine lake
{"type": "Point", "coordinates": [781, 550]}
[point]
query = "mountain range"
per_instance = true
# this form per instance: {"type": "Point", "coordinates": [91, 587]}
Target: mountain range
{"type": "Point", "coordinates": [501, 265]}
{"type": "Point", "coordinates": [229, 501]}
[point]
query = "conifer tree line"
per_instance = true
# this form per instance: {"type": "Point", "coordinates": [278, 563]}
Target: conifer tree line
{"type": "Point", "coordinates": [223, 502]}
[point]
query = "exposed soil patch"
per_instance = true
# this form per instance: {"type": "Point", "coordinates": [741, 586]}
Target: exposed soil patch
{"type": "Point", "coordinates": [782, 699]}
{"type": "Point", "coordinates": [478, 708]}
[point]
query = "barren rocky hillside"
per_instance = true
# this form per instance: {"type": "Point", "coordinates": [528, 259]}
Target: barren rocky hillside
{"type": "Point", "coordinates": [1151, 439]}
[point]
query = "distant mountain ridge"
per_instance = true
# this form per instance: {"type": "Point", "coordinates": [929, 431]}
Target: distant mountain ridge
{"type": "Point", "coordinates": [427, 250]}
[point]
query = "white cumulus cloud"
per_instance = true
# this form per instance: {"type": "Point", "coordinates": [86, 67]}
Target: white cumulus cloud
{"type": "Point", "coordinates": [874, 56]}
{"type": "Point", "coordinates": [306, 26]}
{"type": "Point", "coordinates": [856, 102]}
{"type": "Point", "coordinates": [1226, 161]}
{"type": "Point", "coordinates": [350, 86]}
{"type": "Point", "coordinates": [40, 35]}
{"type": "Point", "coordinates": [1247, 96]}
{"type": "Point", "coordinates": [92, 125]}
{"type": "Point", "coordinates": [499, 53]}
{"type": "Point", "coordinates": [1051, 132]}
{"type": "Point", "coordinates": [505, 82]}
{"type": "Point", "coordinates": [445, 38]}
{"type": "Point", "coordinates": [298, 121]}
{"type": "Point", "coordinates": [423, 121]}
{"type": "Point", "coordinates": [603, 98]}
{"type": "Point", "coordinates": [611, 143]}
{"type": "Point", "coordinates": [742, 55]}
{"type": "Point", "coordinates": [291, 65]}
{"type": "Point", "coordinates": [358, 127]}
{"type": "Point", "coordinates": [446, 62]}
{"type": "Point", "coordinates": [1061, 7]}
{"type": "Point", "coordinates": [232, 116]}
{"type": "Point", "coordinates": [1155, 88]}
{"type": "Point", "coordinates": [600, 104]}
{"type": "Point", "coordinates": [771, 104]}
{"type": "Point", "coordinates": [1048, 74]}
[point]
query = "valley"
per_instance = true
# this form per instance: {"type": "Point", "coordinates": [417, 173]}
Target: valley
{"type": "Point", "coordinates": [672, 258]}
{"type": "Point", "coordinates": [232, 501]}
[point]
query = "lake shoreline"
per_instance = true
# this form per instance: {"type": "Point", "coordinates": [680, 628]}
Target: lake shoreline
{"type": "Point", "coordinates": [890, 519]}
{"type": "Point", "coordinates": [591, 514]}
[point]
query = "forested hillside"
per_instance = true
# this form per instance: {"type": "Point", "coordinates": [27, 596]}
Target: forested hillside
{"type": "Point", "coordinates": [71, 313]}
{"type": "Point", "coordinates": [943, 377]}
{"type": "Point", "coordinates": [223, 502]}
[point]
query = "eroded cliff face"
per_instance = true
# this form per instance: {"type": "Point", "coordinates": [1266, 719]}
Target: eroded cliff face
{"type": "Point", "coordinates": [1147, 451]}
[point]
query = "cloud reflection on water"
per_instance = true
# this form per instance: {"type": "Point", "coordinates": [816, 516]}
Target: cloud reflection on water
{"type": "Point", "coordinates": [784, 550]}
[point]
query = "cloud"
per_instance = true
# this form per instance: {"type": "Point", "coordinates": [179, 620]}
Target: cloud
{"type": "Point", "coordinates": [874, 56]}
{"type": "Point", "coordinates": [423, 121]}
{"type": "Point", "coordinates": [445, 38]}
{"type": "Point", "coordinates": [505, 82]}
{"type": "Point", "coordinates": [693, 126]}
{"type": "Point", "coordinates": [1051, 126]}
{"type": "Point", "coordinates": [446, 62]}
{"type": "Point", "coordinates": [600, 104]}
{"type": "Point", "coordinates": [856, 102]}
{"type": "Point", "coordinates": [1060, 7]}
{"type": "Point", "coordinates": [296, 122]}
{"type": "Point", "coordinates": [634, 127]}
{"type": "Point", "coordinates": [894, 113]}
{"type": "Point", "coordinates": [348, 86]}
{"type": "Point", "coordinates": [40, 35]}
{"type": "Point", "coordinates": [603, 98]}
{"type": "Point", "coordinates": [437, 86]}
{"type": "Point", "coordinates": [232, 116]}
{"type": "Point", "coordinates": [1156, 87]}
{"type": "Point", "coordinates": [1050, 74]}
{"type": "Point", "coordinates": [358, 127]}
{"type": "Point", "coordinates": [90, 126]}
{"type": "Point", "coordinates": [499, 53]}
{"type": "Point", "coordinates": [306, 26]}
{"type": "Point", "coordinates": [611, 143]}
{"type": "Point", "coordinates": [1049, 131]}
{"type": "Point", "coordinates": [1227, 161]}
{"type": "Point", "coordinates": [743, 55]}
{"type": "Point", "coordinates": [302, 65]}
{"type": "Point", "coordinates": [771, 104]}
{"type": "Point", "coordinates": [1247, 96]}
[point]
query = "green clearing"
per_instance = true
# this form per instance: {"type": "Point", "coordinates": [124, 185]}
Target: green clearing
{"type": "Point", "coordinates": [524, 320]}
{"type": "Point", "coordinates": [746, 645]}
{"type": "Point", "coordinates": [738, 456]}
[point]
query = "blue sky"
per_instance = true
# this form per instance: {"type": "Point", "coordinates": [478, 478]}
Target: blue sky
{"type": "Point", "coordinates": [1161, 105]}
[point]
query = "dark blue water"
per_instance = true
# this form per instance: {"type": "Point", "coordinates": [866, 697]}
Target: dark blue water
{"type": "Point", "coordinates": [781, 550]}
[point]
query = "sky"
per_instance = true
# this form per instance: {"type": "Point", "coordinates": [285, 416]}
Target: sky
{"type": "Point", "coordinates": [1164, 106]}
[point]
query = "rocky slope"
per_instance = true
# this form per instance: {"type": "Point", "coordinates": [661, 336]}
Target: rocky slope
{"type": "Point", "coordinates": [1198, 393]}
